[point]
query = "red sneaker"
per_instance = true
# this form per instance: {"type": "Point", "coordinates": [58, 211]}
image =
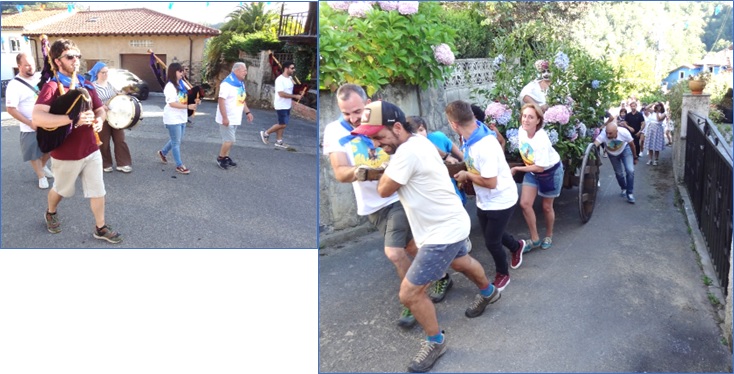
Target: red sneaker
{"type": "Point", "coordinates": [517, 256]}
{"type": "Point", "coordinates": [501, 281]}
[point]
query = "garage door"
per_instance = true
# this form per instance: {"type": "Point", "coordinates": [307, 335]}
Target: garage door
{"type": "Point", "coordinates": [139, 64]}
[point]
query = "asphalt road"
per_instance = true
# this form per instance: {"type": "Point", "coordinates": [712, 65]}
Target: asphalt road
{"type": "Point", "coordinates": [622, 293]}
{"type": "Point", "coordinates": [268, 201]}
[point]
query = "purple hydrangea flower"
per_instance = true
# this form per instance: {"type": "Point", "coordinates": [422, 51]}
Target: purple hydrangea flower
{"type": "Point", "coordinates": [388, 5]}
{"type": "Point", "coordinates": [443, 54]}
{"type": "Point", "coordinates": [408, 7]}
{"type": "Point", "coordinates": [561, 61]}
{"type": "Point", "coordinates": [339, 5]}
{"type": "Point", "coordinates": [595, 84]}
{"type": "Point", "coordinates": [553, 136]}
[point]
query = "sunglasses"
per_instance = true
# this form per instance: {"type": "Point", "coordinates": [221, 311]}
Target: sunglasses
{"type": "Point", "coordinates": [71, 56]}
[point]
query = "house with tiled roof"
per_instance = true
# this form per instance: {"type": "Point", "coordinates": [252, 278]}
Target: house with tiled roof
{"type": "Point", "coordinates": [712, 62]}
{"type": "Point", "coordinates": [11, 37]}
{"type": "Point", "coordinates": [121, 38]}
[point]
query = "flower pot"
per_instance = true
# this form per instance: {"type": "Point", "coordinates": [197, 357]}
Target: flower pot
{"type": "Point", "coordinates": [696, 86]}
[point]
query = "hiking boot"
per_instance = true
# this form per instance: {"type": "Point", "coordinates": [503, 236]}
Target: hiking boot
{"type": "Point", "coordinates": [230, 162]}
{"type": "Point", "coordinates": [547, 243]}
{"type": "Point", "coordinates": [264, 137]}
{"type": "Point", "coordinates": [53, 225]}
{"type": "Point", "coordinates": [407, 320]}
{"type": "Point", "coordinates": [517, 256]}
{"type": "Point", "coordinates": [480, 303]}
{"type": "Point", "coordinates": [438, 290]}
{"type": "Point", "coordinates": [106, 233]}
{"type": "Point", "coordinates": [501, 281]}
{"type": "Point", "coordinates": [427, 356]}
{"type": "Point", "coordinates": [162, 157]}
{"type": "Point", "coordinates": [631, 199]}
{"type": "Point", "coordinates": [222, 163]}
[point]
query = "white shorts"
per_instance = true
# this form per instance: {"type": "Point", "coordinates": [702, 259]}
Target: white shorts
{"type": "Point", "coordinates": [89, 168]}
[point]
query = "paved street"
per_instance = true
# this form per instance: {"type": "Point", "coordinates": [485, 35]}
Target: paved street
{"type": "Point", "coordinates": [268, 201]}
{"type": "Point", "coordinates": [622, 293]}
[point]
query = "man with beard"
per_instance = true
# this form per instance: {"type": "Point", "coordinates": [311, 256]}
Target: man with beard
{"type": "Point", "coordinates": [347, 153]}
{"type": "Point", "coordinates": [437, 220]}
{"type": "Point", "coordinates": [20, 97]}
{"type": "Point", "coordinates": [78, 155]}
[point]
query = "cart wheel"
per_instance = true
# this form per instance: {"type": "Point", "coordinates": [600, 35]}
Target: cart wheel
{"type": "Point", "coordinates": [589, 182]}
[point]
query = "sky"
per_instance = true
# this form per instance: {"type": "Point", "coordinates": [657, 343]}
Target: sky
{"type": "Point", "coordinates": [194, 11]}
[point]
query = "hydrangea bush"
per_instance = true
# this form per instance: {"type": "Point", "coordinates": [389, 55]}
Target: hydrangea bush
{"type": "Point", "coordinates": [374, 44]}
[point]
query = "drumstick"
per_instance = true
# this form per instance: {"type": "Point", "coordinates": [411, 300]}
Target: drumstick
{"type": "Point", "coordinates": [302, 92]}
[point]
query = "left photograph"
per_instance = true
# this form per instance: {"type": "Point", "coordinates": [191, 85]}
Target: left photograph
{"type": "Point", "coordinates": [159, 125]}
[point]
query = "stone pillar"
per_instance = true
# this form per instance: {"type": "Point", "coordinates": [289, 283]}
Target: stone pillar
{"type": "Point", "coordinates": [698, 104]}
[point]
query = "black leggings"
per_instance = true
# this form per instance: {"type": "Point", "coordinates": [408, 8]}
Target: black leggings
{"type": "Point", "coordinates": [493, 224]}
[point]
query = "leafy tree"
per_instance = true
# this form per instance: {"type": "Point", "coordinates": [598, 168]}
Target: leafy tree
{"type": "Point", "coordinates": [473, 38]}
{"type": "Point", "coordinates": [718, 26]}
{"type": "Point", "coordinates": [250, 17]}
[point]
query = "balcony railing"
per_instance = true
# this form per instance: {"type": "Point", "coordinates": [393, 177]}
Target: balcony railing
{"type": "Point", "coordinates": [296, 24]}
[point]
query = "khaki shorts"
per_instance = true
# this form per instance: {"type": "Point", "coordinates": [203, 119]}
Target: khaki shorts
{"type": "Point", "coordinates": [89, 168]}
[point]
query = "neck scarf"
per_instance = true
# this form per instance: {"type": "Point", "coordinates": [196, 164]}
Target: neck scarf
{"type": "Point", "coordinates": [182, 86]}
{"type": "Point", "coordinates": [232, 79]}
{"type": "Point", "coordinates": [349, 137]}
{"type": "Point", "coordinates": [66, 81]}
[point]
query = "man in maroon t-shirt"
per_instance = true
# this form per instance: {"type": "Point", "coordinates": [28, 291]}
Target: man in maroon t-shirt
{"type": "Point", "coordinates": [79, 154]}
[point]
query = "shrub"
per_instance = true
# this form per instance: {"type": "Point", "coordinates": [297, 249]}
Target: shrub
{"type": "Point", "coordinates": [473, 40]}
{"type": "Point", "coordinates": [374, 47]}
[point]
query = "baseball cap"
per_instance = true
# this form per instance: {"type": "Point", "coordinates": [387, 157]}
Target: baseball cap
{"type": "Point", "coordinates": [376, 115]}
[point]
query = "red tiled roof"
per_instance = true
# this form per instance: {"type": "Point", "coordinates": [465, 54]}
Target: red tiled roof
{"type": "Point", "coordinates": [138, 21]}
{"type": "Point", "coordinates": [18, 21]}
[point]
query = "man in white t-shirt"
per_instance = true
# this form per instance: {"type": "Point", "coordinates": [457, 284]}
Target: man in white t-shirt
{"type": "Point", "coordinates": [347, 153]}
{"type": "Point", "coordinates": [20, 97]}
{"type": "Point", "coordinates": [437, 219]}
{"type": "Point", "coordinates": [282, 104]}
{"type": "Point", "coordinates": [620, 146]}
{"type": "Point", "coordinates": [231, 105]}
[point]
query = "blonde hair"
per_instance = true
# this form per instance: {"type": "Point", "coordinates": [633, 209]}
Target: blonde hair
{"type": "Point", "coordinates": [538, 112]}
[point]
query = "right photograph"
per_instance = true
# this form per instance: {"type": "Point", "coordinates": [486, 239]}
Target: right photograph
{"type": "Point", "coordinates": [525, 186]}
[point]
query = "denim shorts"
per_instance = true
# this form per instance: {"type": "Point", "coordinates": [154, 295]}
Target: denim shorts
{"type": "Point", "coordinates": [284, 115]}
{"type": "Point", "coordinates": [433, 260]}
{"type": "Point", "coordinates": [530, 180]}
{"type": "Point", "coordinates": [393, 224]}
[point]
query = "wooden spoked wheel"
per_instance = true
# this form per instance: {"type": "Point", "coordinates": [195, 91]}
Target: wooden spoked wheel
{"type": "Point", "coordinates": [589, 182]}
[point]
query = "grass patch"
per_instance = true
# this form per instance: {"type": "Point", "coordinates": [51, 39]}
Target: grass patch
{"type": "Point", "coordinates": [713, 299]}
{"type": "Point", "coordinates": [706, 280]}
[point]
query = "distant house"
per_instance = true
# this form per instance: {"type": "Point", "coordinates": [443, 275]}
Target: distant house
{"type": "Point", "coordinates": [12, 39]}
{"type": "Point", "coordinates": [121, 38]}
{"type": "Point", "coordinates": [714, 63]}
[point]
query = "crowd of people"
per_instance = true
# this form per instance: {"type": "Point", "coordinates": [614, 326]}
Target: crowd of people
{"type": "Point", "coordinates": [419, 208]}
{"type": "Point", "coordinates": [83, 136]}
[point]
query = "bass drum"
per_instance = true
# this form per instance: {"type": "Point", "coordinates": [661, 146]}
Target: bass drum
{"type": "Point", "coordinates": [125, 112]}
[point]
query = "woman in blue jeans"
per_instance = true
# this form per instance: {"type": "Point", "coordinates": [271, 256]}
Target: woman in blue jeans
{"type": "Point", "coordinates": [175, 115]}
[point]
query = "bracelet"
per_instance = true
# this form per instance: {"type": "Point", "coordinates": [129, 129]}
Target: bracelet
{"type": "Point", "coordinates": [247, 113]}
{"type": "Point", "coordinates": [445, 156]}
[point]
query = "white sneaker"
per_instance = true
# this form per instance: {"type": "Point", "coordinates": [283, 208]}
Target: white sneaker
{"type": "Point", "coordinates": [43, 183]}
{"type": "Point", "coordinates": [48, 172]}
{"type": "Point", "coordinates": [125, 169]}
{"type": "Point", "coordinates": [107, 170]}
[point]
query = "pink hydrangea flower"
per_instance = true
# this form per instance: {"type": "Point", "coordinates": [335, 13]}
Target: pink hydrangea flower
{"type": "Point", "coordinates": [408, 7]}
{"type": "Point", "coordinates": [339, 5]}
{"type": "Point", "coordinates": [499, 112]}
{"type": "Point", "coordinates": [557, 114]}
{"type": "Point", "coordinates": [388, 5]}
{"type": "Point", "coordinates": [443, 54]}
{"type": "Point", "coordinates": [359, 8]}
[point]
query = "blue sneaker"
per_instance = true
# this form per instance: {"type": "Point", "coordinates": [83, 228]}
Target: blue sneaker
{"type": "Point", "coordinates": [623, 193]}
{"type": "Point", "coordinates": [630, 198]}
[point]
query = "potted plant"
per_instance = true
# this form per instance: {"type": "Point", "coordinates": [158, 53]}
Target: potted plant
{"type": "Point", "coordinates": [697, 82]}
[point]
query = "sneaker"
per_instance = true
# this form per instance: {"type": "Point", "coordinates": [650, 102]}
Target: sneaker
{"type": "Point", "coordinates": [407, 320]}
{"type": "Point", "coordinates": [106, 233]}
{"type": "Point", "coordinates": [623, 193]}
{"type": "Point", "coordinates": [605, 155]}
{"type": "Point", "coordinates": [107, 170]}
{"type": "Point", "coordinates": [640, 154]}
{"type": "Point", "coordinates": [53, 225]}
{"type": "Point", "coordinates": [501, 281]}
{"type": "Point", "coordinates": [438, 290]}
{"type": "Point", "coordinates": [655, 163]}
{"type": "Point", "coordinates": [480, 303]}
{"type": "Point", "coordinates": [230, 162]}
{"type": "Point", "coordinates": [125, 169]}
{"type": "Point", "coordinates": [529, 244]}
{"type": "Point", "coordinates": [649, 162]}
{"type": "Point", "coordinates": [47, 172]}
{"type": "Point", "coordinates": [182, 169]}
{"type": "Point", "coordinates": [547, 243]}
{"type": "Point", "coordinates": [280, 144]}
{"type": "Point", "coordinates": [517, 256]}
{"type": "Point", "coordinates": [162, 157]}
{"type": "Point", "coordinates": [468, 246]}
{"type": "Point", "coordinates": [222, 163]}
{"type": "Point", "coordinates": [264, 137]}
{"type": "Point", "coordinates": [631, 199]}
{"type": "Point", "coordinates": [43, 183]}
{"type": "Point", "coordinates": [427, 356]}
